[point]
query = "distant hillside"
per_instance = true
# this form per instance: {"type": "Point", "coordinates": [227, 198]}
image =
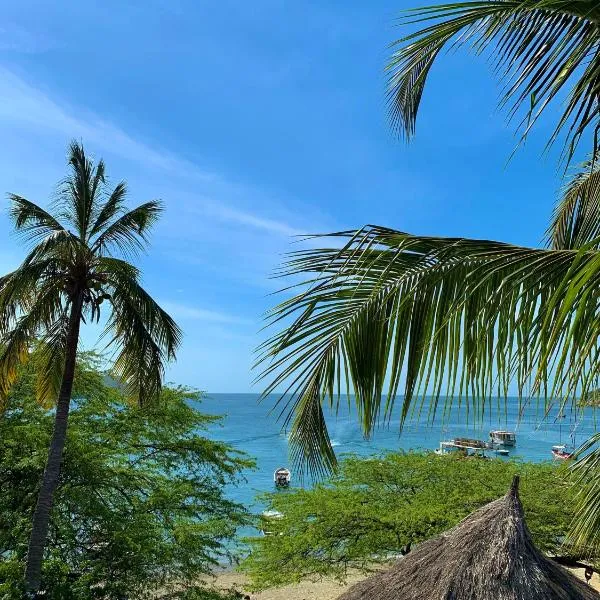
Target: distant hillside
{"type": "Point", "coordinates": [591, 398]}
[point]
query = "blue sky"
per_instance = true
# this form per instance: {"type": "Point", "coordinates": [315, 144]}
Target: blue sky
{"type": "Point", "coordinates": [254, 122]}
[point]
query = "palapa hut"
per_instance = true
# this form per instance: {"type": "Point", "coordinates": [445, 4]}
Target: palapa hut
{"type": "Point", "coordinates": [487, 556]}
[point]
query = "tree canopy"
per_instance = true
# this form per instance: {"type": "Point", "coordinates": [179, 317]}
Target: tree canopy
{"type": "Point", "coordinates": [141, 509]}
{"type": "Point", "coordinates": [373, 508]}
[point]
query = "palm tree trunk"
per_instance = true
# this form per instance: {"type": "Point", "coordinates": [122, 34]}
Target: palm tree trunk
{"type": "Point", "coordinates": [41, 516]}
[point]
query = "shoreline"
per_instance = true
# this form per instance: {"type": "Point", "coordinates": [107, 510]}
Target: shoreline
{"type": "Point", "coordinates": [324, 589]}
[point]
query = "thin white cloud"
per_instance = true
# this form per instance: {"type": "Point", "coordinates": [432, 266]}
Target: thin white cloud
{"type": "Point", "coordinates": [232, 215]}
{"type": "Point", "coordinates": [22, 104]}
{"type": "Point", "coordinates": [184, 312]}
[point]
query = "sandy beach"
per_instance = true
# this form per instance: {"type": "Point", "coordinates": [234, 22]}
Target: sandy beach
{"type": "Point", "coordinates": [326, 589]}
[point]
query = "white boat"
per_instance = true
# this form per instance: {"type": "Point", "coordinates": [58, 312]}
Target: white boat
{"type": "Point", "coordinates": [503, 438]}
{"type": "Point", "coordinates": [466, 446]}
{"type": "Point", "coordinates": [282, 477]}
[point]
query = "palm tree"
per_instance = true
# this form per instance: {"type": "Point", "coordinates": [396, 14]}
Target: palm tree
{"type": "Point", "coordinates": [70, 274]}
{"type": "Point", "coordinates": [457, 317]}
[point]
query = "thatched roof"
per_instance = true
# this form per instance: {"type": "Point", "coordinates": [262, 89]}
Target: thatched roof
{"type": "Point", "coordinates": [487, 556]}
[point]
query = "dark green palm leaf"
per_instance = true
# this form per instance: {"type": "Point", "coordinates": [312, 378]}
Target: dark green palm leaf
{"type": "Point", "coordinates": [575, 221]}
{"type": "Point", "coordinates": [31, 221]}
{"type": "Point", "coordinates": [143, 335]}
{"type": "Point", "coordinates": [540, 48]}
{"type": "Point", "coordinates": [111, 208]}
{"type": "Point", "coordinates": [128, 233]}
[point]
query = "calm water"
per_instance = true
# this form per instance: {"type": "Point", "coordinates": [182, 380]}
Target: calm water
{"type": "Point", "coordinates": [249, 427]}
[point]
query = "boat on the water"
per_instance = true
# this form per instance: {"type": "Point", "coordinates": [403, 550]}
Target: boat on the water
{"type": "Point", "coordinates": [561, 453]}
{"type": "Point", "coordinates": [282, 477]}
{"type": "Point", "coordinates": [502, 451]}
{"type": "Point", "coordinates": [466, 446]}
{"type": "Point", "coordinates": [503, 438]}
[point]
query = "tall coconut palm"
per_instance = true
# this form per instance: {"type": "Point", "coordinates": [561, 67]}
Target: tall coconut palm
{"type": "Point", "coordinates": [449, 316]}
{"type": "Point", "coordinates": [71, 274]}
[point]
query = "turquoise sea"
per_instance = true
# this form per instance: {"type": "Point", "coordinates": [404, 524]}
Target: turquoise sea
{"type": "Point", "coordinates": [248, 426]}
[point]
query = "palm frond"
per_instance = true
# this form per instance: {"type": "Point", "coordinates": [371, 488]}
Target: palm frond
{"type": "Point", "coordinates": [31, 221]}
{"type": "Point", "coordinates": [20, 289]}
{"type": "Point", "coordinates": [112, 207]}
{"type": "Point", "coordinates": [41, 315]}
{"type": "Point", "coordinates": [79, 193]}
{"type": "Point", "coordinates": [50, 354]}
{"type": "Point", "coordinates": [128, 234]}
{"type": "Point", "coordinates": [576, 219]}
{"type": "Point", "coordinates": [585, 531]}
{"type": "Point", "coordinates": [439, 316]}
{"type": "Point", "coordinates": [540, 48]}
{"type": "Point", "coordinates": [144, 335]}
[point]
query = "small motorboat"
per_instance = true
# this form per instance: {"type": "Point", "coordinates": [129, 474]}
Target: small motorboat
{"type": "Point", "coordinates": [282, 477]}
{"type": "Point", "coordinates": [502, 451]}
{"type": "Point", "coordinates": [503, 438]}
{"type": "Point", "coordinates": [561, 453]}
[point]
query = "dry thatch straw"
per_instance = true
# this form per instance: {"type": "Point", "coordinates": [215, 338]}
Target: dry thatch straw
{"type": "Point", "coordinates": [487, 556]}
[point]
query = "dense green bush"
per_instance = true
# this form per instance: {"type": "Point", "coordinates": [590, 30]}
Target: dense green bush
{"type": "Point", "coordinates": [374, 507]}
{"type": "Point", "coordinates": [141, 503]}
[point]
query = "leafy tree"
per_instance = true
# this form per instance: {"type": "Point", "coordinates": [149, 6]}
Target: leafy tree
{"type": "Point", "coordinates": [458, 317]}
{"type": "Point", "coordinates": [372, 509]}
{"type": "Point", "coordinates": [70, 274]}
{"type": "Point", "coordinates": [140, 510]}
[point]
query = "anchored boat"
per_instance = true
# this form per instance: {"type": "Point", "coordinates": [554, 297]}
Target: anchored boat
{"type": "Point", "coordinates": [503, 438]}
{"type": "Point", "coordinates": [467, 446]}
{"type": "Point", "coordinates": [282, 477]}
{"type": "Point", "coordinates": [561, 453]}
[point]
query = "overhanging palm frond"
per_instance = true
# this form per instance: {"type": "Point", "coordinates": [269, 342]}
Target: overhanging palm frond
{"type": "Point", "coordinates": [540, 48]}
{"type": "Point", "coordinates": [50, 354]}
{"type": "Point", "coordinates": [458, 317]}
{"type": "Point", "coordinates": [585, 531]}
{"type": "Point", "coordinates": [576, 218]}
{"type": "Point", "coordinates": [20, 289]}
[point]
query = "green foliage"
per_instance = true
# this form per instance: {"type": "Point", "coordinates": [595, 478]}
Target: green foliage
{"type": "Point", "coordinates": [391, 312]}
{"type": "Point", "coordinates": [140, 505]}
{"type": "Point", "coordinates": [79, 260]}
{"type": "Point", "coordinates": [541, 49]}
{"type": "Point", "coordinates": [374, 507]}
